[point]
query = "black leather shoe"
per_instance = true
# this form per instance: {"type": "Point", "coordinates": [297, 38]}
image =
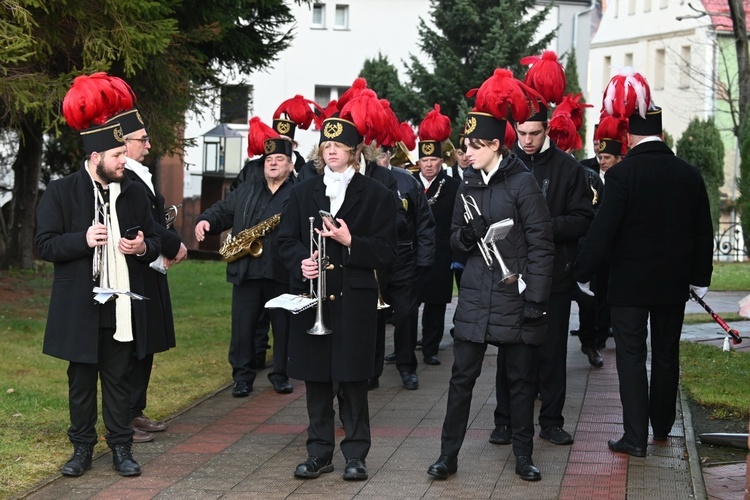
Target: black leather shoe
{"type": "Point", "coordinates": [80, 460]}
{"type": "Point", "coordinates": [410, 381]}
{"type": "Point", "coordinates": [595, 358]}
{"type": "Point", "coordinates": [501, 435]}
{"type": "Point", "coordinates": [431, 360]}
{"type": "Point", "coordinates": [355, 470]}
{"type": "Point", "coordinates": [389, 359]}
{"type": "Point", "coordinates": [313, 467]}
{"type": "Point", "coordinates": [373, 383]}
{"type": "Point", "coordinates": [123, 461]}
{"type": "Point", "coordinates": [526, 469]}
{"type": "Point", "coordinates": [621, 446]}
{"type": "Point", "coordinates": [241, 389]}
{"type": "Point", "coordinates": [282, 386]}
{"type": "Point", "coordinates": [444, 467]}
{"type": "Point", "coordinates": [556, 435]}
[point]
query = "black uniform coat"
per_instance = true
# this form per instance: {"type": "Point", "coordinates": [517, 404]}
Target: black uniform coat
{"type": "Point", "coordinates": [161, 335]}
{"type": "Point", "coordinates": [436, 285]}
{"type": "Point", "coordinates": [248, 205]}
{"type": "Point", "coordinates": [487, 310]}
{"type": "Point", "coordinates": [564, 185]}
{"type": "Point", "coordinates": [348, 354]}
{"type": "Point", "coordinates": [64, 214]}
{"type": "Point", "coordinates": [655, 225]}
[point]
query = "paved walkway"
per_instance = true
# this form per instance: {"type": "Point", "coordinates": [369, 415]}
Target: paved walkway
{"type": "Point", "coordinates": [225, 447]}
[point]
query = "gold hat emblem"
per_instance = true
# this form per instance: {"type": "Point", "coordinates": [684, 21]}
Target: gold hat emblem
{"type": "Point", "coordinates": [602, 145]}
{"type": "Point", "coordinates": [138, 115]}
{"type": "Point", "coordinates": [471, 124]}
{"type": "Point", "coordinates": [283, 128]}
{"type": "Point", "coordinates": [333, 130]}
{"type": "Point", "coordinates": [428, 148]}
{"type": "Point", "coordinates": [117, 131]}
{"type": "Point", "coordinates": [269, 146]}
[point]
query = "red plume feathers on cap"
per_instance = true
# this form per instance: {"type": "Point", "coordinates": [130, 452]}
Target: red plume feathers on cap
{"type": "Point", "coordinates": [546, 75]}
{"type": "Point", "coordinates": [356, 89]}
{"type": "Point", "coordinates": [563, 132]}
{"type": "Point", "coordinates": [435, 126]}
{"type": "Point", "coordinates": [94, 98]}
{"type": "Point", "coordinates": [367, 114]}
{"type": "Point", "coordinates": [301, 111]}
{"type": "Point", "coordinates": [408, 137]}
{"type": "Point", "coordinates": [572, 105]}
{"type": "Point", "coordinates": [510, 134]}
{"type": "Point", "coordinates": [503, 96]}
{"type": "Point", "coordinates": [329, 111]}
{"type": "Point", "coordinates": [257, 135]}
{"type": "Point", "coordinates": [626, 93]}
{"type": "Point", "coordinates": [391, 133]}
{"type": "Point", "coordinates": [614, 128]}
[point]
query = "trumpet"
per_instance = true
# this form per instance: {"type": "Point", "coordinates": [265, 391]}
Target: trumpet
{"type": "Point", "coordinates": [381, 302]}
{"type": "Point", "coordinates": [324, 265]}
{"type": "Point", "coordinates": [488, 250]}
{"type": "Point", "coordinates": [170, 214]}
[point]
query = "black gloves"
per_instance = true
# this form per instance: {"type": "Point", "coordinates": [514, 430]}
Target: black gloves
{"type": "Point", "coordinates": [474, 232]}
{"type": "Point", "coordinates": [533, 312]}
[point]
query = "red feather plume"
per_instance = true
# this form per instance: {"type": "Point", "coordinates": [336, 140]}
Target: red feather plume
{"type": "Point", "coordinates": [392, 132]}
{"type": "Point", "coordinates": [572, 106]}
{"type": "Point", "coordinates": [356, 89]}
{"type": "Point", "coordinates": [563, 132]}
{"type": "Point", "coordinates": [126, 96]}
{"type": "Point", "coordinates": [92, 99]}
{"type": "Point", "coordinates": [614, 128]}
{"type": "Point", "coordinates": [505, 97]}
{"type": "Point", "coordinates": [301, 111]}
{"type": "Point", "coordinates": [257, 134]}
{"type": "Point", "coordinates": [408, 136]}
{"type": "Point", "coordinates": [367, 114]}
{"type": "Point", "coordinates": [546, 76]}
{"type": "Point", "coordinates": [435, 126]}
{"type": "Point", "coordinates": [510, 134]}
{"type": "Point", "coordinates": [626, 93]}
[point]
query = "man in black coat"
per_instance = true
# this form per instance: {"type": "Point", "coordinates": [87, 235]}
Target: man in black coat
{"type": "Point", "coordinates": [563, 184]}
{"type": "Point", "coordinates": [98, 339]}
{"type": "Point", "coordinates": [654, 224]}
{"type": "Point", "coordinates": [161, 336]}
{"type": "Point", "coordinates": [256, 278]}
{"type": "Point", "coordinates": [436, 284]}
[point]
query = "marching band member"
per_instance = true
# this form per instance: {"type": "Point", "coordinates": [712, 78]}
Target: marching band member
{"type": "Point", "coordinates": [257, 278]}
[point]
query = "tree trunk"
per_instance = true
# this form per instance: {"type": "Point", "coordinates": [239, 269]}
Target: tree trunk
{"type": "Point", "coordinates": [26, 171]}
{"type": "Point", "coordinates": [737, 13]}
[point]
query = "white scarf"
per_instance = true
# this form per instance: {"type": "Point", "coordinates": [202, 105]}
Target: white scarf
{"type": "Point", "coordinates": [487, 176]}
{"type": "Point", "coordinates": [119, 279]}
{"type": "Point", "coordinates": [142, 172]}
{"type": "Point", "coordinates": [336, 184]}
{"type": "Point", "coordinates": [425, 182]}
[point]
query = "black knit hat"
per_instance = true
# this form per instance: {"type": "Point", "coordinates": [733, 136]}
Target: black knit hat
{"type": "Point", "coordinates": [102, 138]}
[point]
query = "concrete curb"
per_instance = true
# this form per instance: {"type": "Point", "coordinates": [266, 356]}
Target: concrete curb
{"type": "Point", "coordinates": [694, 462]}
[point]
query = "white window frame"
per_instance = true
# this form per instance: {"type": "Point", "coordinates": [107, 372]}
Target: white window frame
{"type": "Point", "coordinates": [318, 25]}
{"type": "Point", "coordinates": [345, 24]}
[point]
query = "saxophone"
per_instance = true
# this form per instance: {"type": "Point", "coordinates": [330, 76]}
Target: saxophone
{"type": "Point", "coordinates": [248, 241]}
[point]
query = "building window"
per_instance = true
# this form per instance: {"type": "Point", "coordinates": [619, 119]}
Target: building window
{"type": "Point", "coordinates": [659, 69]}
{"type": "Point", "coordinates": [319, 16]}
{"type": "Point", "coordinates": [606, 70]}
{"type": "Point", "coordinates": [663, 4]}
{"type": "Point", "coordinates": [631, 7]}
{"type": "Point", "coordinates": [629, 59]}
{"type": "Point", "coordinates": [685, 67]}
{"type": "Point", "coordinates": [342, 17]}
{"type": "Point", "coordinates": [326, 93]}
{"type": "Point", "coordinates": [236, 104]}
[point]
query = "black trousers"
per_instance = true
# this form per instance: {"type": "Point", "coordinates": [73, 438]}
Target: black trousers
{"type": "Point", "coordinates": [248, 304]}
{"type": "Point", "coordinates": [140, 376]}
{"type": "Point", "coordinates": [467, 366]}
{"type": "Point", "coordinates": [379, 344]}
{"type": "Point", "coordinates": [112, 368]}
{"type": "Point", "coordinates": [433, 326]}
{"type": "Point", "coordinates": [402, 297]}
{"type": "Point", "coordinates": [551, 360]}
{"type": "Point", "coordinates": [354, 414]}
{"type": "Point", "coordinates": [639, 401]}
{"type": "Point", "coordinates": [593, 312]}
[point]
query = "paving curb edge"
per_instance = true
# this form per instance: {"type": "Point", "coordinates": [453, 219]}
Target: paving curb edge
{"type": "Point", "coordinates": [696, 474]}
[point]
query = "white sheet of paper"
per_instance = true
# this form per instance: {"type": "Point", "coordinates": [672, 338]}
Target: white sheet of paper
{"type": "Point", "coordinates": [292, 303]}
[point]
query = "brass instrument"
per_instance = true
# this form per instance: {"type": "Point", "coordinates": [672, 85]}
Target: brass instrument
{"type": "Point", "coordinates": [401, 157]}
{"type": "Point", "coordinates": [170, 214]}
{"type": "Point", "coordinates": [100, 267]}
{"type": "Point", "coordinates": [449, 152]}
{"type": "Point", "coordinates": [324, 265]}
{"type": "Point", "coordinates": [488, 250]}
{"type": "Point", "coordinates": [381, 302]}
{"type": "Point", "coordinates": [248, 241]}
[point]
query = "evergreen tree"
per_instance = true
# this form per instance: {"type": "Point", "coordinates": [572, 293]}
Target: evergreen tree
{"type": "Point", "coordinates": [463, 43]}
{"type": "Point", "coordinates": [701, 146]}
{"type": "Point", "coordinates": [572, 86]}
{"type": "Point", "coordinates": [743, 182]}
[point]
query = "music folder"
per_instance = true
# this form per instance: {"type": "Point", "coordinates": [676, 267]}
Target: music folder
{"type": "Point", "coordinates": [292, 303]}
{"type": "Point", "coordinates": [498, 231]}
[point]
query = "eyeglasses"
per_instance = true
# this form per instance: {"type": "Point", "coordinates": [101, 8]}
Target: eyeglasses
{"type": "Point", "coordinates": [142, 140]}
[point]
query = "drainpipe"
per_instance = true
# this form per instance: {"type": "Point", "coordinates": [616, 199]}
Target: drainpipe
{"type": "Point", "coordinates": [575, 22]}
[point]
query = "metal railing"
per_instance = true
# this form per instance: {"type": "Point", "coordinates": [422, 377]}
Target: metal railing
{"type": "Point", "coordinates": [729, 245]}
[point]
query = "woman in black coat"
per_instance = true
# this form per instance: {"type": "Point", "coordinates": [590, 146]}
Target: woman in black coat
{"type": "Point", "coordinates": [506, 314]}
{"type": "Point", "coordinates": [341, 362]}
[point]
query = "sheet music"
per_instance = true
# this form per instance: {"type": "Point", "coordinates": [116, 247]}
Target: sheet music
{"type": "Point", "coordinates": [158, 264]}
{"type": "Point", "coordinates": [498, 230]}
{"type": "Point", "coordinates": [102, 295]}
{"type": "Point", "coordinates": [292, 303]}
